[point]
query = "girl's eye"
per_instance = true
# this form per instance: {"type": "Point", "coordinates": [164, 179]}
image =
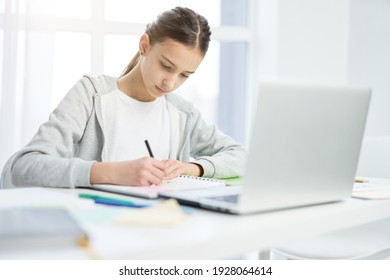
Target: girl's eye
{"type": "Point", "coordinates": [165, 66]}
{"type": "Point", "coordinates": [185, 76]}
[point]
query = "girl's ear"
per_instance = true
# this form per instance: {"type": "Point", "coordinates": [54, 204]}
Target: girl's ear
{"type": "Point", "coordinates": [144, 44]}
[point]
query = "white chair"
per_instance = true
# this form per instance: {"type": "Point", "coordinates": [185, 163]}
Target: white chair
{"type": "Point", "coordinates": [369, 241]}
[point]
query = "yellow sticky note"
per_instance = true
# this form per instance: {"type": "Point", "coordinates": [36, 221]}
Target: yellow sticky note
{"type": "Point", "coordinates": [164, 214]}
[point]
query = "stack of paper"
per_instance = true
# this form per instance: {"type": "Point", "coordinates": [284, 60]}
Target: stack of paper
{"type": "Point", "coordinates": [27, 227]}
{"type": "Point", "coordinates": [372, 188]}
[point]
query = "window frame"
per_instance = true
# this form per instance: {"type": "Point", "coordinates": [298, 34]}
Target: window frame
{"type": "Point", "coordinates": [97, 27]}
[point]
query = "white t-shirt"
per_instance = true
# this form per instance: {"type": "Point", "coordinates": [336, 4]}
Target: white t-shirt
{"type": "Point", "coordinates": [127, 123]}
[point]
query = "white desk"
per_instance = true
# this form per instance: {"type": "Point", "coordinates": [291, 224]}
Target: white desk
{"type": "Point", "coordinates": [210, 235]}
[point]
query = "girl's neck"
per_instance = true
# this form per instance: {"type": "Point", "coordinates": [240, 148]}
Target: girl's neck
{"type": "Point", "coordinates": [132, 85]}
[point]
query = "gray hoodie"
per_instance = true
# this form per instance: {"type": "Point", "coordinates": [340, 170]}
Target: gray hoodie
{"type": "Point", "coordinates": [63, 150]}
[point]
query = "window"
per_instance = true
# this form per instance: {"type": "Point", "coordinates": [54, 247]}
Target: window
{"type": "Point", "coordinates": [72, 59]}
{"type": "Point", "coordinates": [58, 41]}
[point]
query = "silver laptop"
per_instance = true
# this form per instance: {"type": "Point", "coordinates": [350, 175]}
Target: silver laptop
{"type": "Point", "coordinates": [304, 149]}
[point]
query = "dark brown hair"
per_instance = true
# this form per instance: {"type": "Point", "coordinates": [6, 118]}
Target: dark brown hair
{"type": "Point", "coordinates": [180, 24]}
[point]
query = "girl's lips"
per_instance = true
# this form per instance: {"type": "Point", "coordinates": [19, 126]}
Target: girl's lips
{"type": "Point", "coordinates": [160, 90]}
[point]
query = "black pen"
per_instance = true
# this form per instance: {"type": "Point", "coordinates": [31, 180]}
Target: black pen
{"type": "Point", "coordinates": [149, 149]}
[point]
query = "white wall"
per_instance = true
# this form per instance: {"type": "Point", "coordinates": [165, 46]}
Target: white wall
{"type": "Point", "coordinates": [336, 41]}
{"type": "Point", "coordinates": [303, 39]}
{"type": "Point", "coordinates": [313, 40]}
{"type": "Point", "coordinates": [369, 64]}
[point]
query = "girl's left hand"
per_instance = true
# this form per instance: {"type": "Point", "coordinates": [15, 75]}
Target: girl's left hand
{"type": "Point", "coordinates": [174, 168]}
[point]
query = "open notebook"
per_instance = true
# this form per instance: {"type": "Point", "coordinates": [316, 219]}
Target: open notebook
{"type": "Point", "coordinates": [182, 182]}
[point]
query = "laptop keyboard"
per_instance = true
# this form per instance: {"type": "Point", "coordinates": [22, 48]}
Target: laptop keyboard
{"type": "Point", "coordinates": [227, 198]}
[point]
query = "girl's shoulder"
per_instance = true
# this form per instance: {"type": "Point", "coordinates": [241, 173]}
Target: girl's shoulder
{"type": "Point", "coordinates": [101, 84]}
{"type": "Point", "coordinates": [180, 103]}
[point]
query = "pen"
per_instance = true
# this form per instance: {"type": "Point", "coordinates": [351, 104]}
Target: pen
{"type": "Point", "coordinates": [111, 201]}
{"type": "Point", "coordinates": [149, 149]}
{"type": "Point", "coordinates": [118, 203]}
{"type": "Point", "coordinates": [94, 197]}
{"type": "Point", "coordinates": [360, 181]}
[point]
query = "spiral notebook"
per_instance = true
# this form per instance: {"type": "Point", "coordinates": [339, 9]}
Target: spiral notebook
{"type": "Point", "coordinates": [182, 182]}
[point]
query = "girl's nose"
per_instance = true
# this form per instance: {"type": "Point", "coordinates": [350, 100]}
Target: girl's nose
{"type": "Point", "coordinates": [169, 82]}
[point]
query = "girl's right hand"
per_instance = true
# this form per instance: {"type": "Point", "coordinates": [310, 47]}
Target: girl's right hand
{"type": "Point", "coordinates": [140, 172]}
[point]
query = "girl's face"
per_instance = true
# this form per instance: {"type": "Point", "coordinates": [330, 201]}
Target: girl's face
{"type": "Point", "coordinates": [166, 66]}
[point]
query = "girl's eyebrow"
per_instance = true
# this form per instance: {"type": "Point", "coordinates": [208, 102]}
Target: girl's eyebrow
{"type": "Point", "coordinates": [163, 56]}
{"type": "Point", "coordinates": [173, 64]}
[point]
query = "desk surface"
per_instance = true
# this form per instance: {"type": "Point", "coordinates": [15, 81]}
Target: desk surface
{"type": "Point", "coordinates": [205, 234]}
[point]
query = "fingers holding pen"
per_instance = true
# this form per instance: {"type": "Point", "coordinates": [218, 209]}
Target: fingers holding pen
{"type": "Point", "coordinates": [144, 171]}
{"type": "Point", "coordinates": [152, 170]}
{"type": "Point", "coordinates": [159, 167]}
{"type": "Point", "coordinates": [140, 172]}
